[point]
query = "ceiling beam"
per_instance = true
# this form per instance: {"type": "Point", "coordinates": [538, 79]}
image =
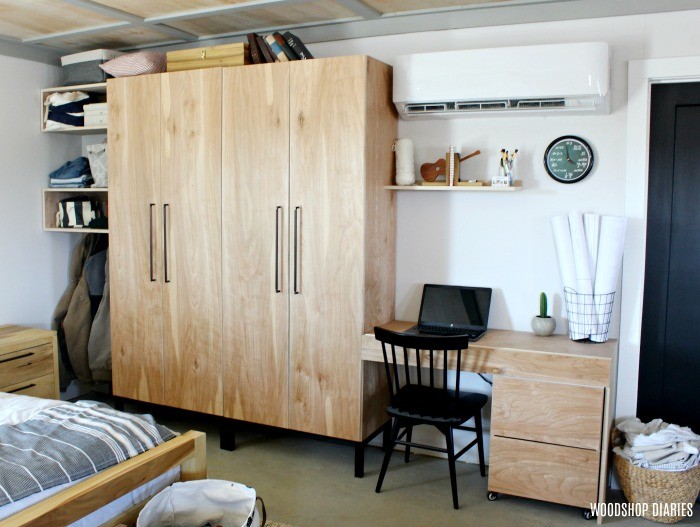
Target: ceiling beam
{"type": "Point", "coordinates": [361, 8]}
{"type": "Point", "coordinates": [132, 19]}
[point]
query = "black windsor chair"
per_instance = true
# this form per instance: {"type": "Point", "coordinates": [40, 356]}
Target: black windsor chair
{"type": "Point", "coordinates": [419, 398]}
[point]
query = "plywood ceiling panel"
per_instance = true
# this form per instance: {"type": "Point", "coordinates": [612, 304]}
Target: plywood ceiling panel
{"type": "Point", "coordinates": [262, 18]}
{"type": "Point", "coordinates": [32, 18]}
{"type": "Point", "coordinates": [397, 6]}
{"type": "Point", "coordinates": [151, 8]}
{"type": "Point", "coordinates": [114, 39]}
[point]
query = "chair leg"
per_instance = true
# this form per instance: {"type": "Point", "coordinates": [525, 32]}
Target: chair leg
{"type": "Point", "coordinates": [449, 440]}
{"type": "Point", "coordinates": [480, 443]}
{"type": "Point", "coordinates": [387, 455]}
{"type": "Point", "coordinates": [409, 435]}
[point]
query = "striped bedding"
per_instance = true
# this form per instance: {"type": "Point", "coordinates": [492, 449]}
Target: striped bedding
{"type": "Point", "coordinates": [64, 443]}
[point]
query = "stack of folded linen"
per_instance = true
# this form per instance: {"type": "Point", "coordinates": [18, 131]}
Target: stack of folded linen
{"type": "Point", "coordinates": [65, 110]}
{"type": "Point", "coordinates": [73, 174]}
{"type": "Point", "coordinates": [658, 445]}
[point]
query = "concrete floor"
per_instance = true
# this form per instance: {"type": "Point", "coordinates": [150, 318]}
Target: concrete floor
{"type": "Point", "coordinates": [309, 483]}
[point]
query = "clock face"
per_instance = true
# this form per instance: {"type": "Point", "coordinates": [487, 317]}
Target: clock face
{"type": "Point", "coordinates": [568, 159]}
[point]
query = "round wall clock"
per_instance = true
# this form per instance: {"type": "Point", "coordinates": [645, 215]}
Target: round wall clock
{"type": "Point", "coordinates": [568, 159]}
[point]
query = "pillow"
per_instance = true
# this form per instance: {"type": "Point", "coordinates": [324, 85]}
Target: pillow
{"type": "Point", "coordinates": [138, 63]}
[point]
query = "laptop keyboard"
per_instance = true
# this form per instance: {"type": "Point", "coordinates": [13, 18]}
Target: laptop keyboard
{"type": "Point", "coordinates": [437, 330]}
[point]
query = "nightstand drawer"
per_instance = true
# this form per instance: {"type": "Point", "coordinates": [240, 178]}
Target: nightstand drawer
{"type": "Point", "coordinates": [25, 364]}
{"type": "Point", "coordinates": [548, 412]}
{"type": "Point", "coordinates": [39, 387]}
{"type": "Point", "coordinates": [544, 472]}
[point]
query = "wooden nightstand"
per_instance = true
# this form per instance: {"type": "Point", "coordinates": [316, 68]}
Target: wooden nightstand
{"type": "Point", "coordinates": [28, 361]}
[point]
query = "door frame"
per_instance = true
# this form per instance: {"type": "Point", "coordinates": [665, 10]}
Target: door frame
{"type": "Point", "coordinates": [641, 75]}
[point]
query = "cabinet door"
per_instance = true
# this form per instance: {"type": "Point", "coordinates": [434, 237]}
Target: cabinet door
{"type": "Point", "coordinates": [135, 247]}
{"type": "Point", "coordinates": [327, 139]}
{"type": "Point", "coordinates": [255, 225]}
{"type": "Point", "coordinates": [191, 212]}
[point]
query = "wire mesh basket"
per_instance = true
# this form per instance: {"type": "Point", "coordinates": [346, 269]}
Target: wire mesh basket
{"type": "Point", "coordinates": [589, 315]}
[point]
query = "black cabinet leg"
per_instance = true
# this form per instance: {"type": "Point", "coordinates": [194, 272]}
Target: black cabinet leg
{"type": "Point", "coordinates": [118, 404]}
{"type": "Point", "coordinates": [227, 436]}
{"type": "Point", "coordinates": [359, 460]}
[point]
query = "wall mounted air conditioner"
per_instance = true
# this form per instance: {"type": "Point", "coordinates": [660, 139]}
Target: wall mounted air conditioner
{"type": "Point", "coordinates": [552, 79]}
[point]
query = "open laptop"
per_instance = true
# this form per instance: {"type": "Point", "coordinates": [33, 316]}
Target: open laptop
{"type": "Point", "coordinates": [454, 310]}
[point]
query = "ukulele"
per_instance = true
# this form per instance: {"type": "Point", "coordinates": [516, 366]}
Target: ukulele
{"type": "Point", "coordinates": [431, 171]}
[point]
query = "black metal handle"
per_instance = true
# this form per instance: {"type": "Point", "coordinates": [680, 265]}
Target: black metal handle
{"type": "Point", "coordinates": [151, 208]}
{"type": "Point", "coordinates": [165, 242]}
{"type": "Point", "coordinates": [278, 289]}
{"type": "Point", "coordinates": [297, 217]}
{"type": "Point", "coordinates": [24, 355]}
{"type": "Point", "coordinates": [22, 388]}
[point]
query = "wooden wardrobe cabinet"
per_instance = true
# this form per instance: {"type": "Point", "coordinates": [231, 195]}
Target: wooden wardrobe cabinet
{"type": "Point", "coordinates": [165, 238]}
{"type": "Point", "coordinates": [309, 240]}
{"type": "Point", "coordinates": [288, 255]}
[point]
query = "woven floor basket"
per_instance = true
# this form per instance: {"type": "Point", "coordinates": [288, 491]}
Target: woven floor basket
{"type": "Point", "coordinates": [643, 485]}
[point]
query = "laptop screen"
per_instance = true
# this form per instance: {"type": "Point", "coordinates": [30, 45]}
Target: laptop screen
{"type": "Point", "coordinates": [455, 306]}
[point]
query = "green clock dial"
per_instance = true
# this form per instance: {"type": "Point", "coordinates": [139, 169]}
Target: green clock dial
{"type": "Point", "coordinates": [568, 159]}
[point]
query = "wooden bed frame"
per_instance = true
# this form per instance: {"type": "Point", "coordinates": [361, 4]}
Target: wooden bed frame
{"type": "Point", "coordinates": [187, 450]}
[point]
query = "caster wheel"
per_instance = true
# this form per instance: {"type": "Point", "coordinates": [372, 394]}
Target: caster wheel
{"type": "Point", "coordinates": [492, 496]}
{"type": "Point", "coordinates": [587, 514]}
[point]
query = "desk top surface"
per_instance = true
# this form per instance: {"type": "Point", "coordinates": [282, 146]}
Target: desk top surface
{"type": "Point", "coordinates": [519, 353]}
{"type": "Point", "coordinates": [503, 339]}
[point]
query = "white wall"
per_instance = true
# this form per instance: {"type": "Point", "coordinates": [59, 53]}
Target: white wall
{"type": "Point", "coordinates": [33, 263]}
{"type": "Point", "coordinates": [502, 240]}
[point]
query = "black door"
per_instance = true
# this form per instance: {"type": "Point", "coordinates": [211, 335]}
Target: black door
{"type": "Point", "coordinates": [669, 369]}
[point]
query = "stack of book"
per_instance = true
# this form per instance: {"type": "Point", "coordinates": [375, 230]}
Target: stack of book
{"type": "Point", "coordinates": [276, 47]}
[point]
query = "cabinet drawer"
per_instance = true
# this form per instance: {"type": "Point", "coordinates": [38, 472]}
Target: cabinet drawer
{"type": "Point", "coordinates": [25, 364]}
{"type": "Point", "coordinates": [549, 412]}
{"type": "Point", "coordinates": [40, 387]}
{"type": "Point", "coordinates": [544, 472]}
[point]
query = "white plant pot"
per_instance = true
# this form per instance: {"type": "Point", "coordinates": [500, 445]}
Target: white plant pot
{"type": "Point", "coordinates": [543, 327]}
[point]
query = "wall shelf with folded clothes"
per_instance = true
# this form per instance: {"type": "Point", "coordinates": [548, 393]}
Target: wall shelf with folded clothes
{"type": "Point", "coordinates": [97, 205]}
{"type": "Point", "coordinates": [63, 109]}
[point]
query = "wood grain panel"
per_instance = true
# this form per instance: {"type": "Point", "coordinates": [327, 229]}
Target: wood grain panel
{"type": "Point", "coordinates": [270, 17]}
{"type": "Point", "coordinates": [191, 190]}
{"type": "Point", "coordinates": [327, 110]}
{"type": "Point", "coordinates": [255, 183]}
{"type": "Point", "coordinates": [136, 274]}
{"type": "Point", "coordinates": [13, 337]}
{"type": "Point", "coordinates": [549, 412]}
{"type": "Point", "coordinates": [544, 472]}
{"type": "Point", "coordinates": [164, 7]}
{"type": "Point", "coordinates": [522, 354]}
{"type": "Point", "coordinates": [44, 387]}
{"type": "Point", "coordinates": [381, 127]}
{"type": "Point", "coordinates": [27, 363]}
{"type": "Point", "coordinates": [111, 39]}
{"type": "Point", "coordinates": [40, 17]}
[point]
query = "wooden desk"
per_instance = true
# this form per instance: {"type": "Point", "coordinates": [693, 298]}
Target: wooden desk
{"type": "Point", "coordinates": [552, 410]}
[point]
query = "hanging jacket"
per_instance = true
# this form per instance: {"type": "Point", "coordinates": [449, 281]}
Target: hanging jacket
{"type": "Point", "coordinates": [73, 317]}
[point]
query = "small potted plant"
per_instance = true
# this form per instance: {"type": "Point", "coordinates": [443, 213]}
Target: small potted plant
{"type": "Point", "coordinates": [543, 325]}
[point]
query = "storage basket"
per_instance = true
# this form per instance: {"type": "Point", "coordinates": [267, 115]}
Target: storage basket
{"type": "Point", "coordinates": [657, 488]}
{"type": "Point", "coordinates": [588, 315]}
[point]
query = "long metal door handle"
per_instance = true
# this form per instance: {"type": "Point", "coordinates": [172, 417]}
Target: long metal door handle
{"type": "Point", "coordinates": [165, 242]}
{"type": "Point", "coordinates": [151, 208]}
{"type": "Point", "coordinates": [297, 265]}
{"type": "Point", "coordinates": [278, 288]}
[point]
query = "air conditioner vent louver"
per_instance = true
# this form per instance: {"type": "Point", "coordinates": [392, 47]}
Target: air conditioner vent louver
{"type": "Point", "coordinates": [481, 106]}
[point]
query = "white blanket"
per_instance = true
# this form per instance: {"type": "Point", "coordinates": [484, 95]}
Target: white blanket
{"type": "Point", "coordinates": [16, 409]}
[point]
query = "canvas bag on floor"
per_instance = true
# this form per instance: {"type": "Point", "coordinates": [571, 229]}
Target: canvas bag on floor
{"type": "Point", "coordinates": [200, 503]}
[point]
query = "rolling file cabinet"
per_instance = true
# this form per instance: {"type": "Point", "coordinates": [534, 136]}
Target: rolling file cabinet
{"type": "Point", "coordinates": [28, 361]}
